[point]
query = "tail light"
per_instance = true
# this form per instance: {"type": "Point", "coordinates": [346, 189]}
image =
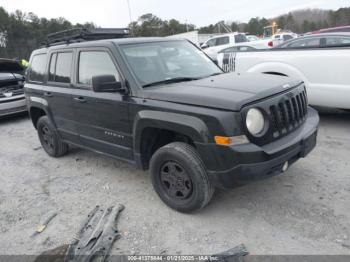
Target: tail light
{"type": "Point", "coordinates": [270, 44]}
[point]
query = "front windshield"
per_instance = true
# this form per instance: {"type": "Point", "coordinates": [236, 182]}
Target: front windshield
{"type": "Point", "coordinates": [160, 61]}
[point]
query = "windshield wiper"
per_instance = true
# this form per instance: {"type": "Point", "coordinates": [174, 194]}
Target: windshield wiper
{"type": "Point", "coordinates": [171, 80]}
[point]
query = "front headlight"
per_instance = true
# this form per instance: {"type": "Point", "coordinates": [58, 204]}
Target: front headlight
{"type": "Point", "coordinates": [255, 121]}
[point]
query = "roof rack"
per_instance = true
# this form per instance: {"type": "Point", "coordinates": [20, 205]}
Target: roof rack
{"type": "Point", "coordinates": [85, 34]}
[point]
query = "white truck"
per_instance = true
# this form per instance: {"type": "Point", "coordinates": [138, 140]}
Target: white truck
{"type": "Point", "coordinates": [321, 61]}
{"type": "Point", "coordinates": [215, 44]}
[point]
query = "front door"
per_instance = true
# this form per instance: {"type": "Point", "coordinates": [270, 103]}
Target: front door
{"type": "Point", "coordinates": [102, 118]}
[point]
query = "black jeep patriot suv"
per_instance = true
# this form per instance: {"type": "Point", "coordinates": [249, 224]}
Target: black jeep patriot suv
{"type": "Point", "coordinates": [162, 104]}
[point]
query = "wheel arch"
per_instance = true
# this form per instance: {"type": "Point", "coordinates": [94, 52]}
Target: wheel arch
{"type": "Point", "coordinates": [35, 112]}
{"type": "Point", "coordinates": [278, 68]}
{"type": "Point", "coordinates": [161, 128]}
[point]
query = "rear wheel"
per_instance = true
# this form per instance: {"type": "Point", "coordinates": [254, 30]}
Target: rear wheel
{"type": "Point", "coordinates": [180, 178]}
{"type": "Point", "coordinates": [49, 138]}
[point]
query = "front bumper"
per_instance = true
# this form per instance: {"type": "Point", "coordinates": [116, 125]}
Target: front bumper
{"type": "Point", "coordinates": [250, 162]}
{"type": "Point", "coordinates": [13, 105]}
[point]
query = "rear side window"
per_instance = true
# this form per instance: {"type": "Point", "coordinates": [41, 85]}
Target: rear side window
{"type": "Point", "coordinates": [230, 49]}
{"type": "Point", "coordinates": [95, 63]}
{"type": "Point", "coordinates": [306, 43]}
{"type": "Point", "coordinates": [337, 41]}
{"type": "Point", "coordinates": [245, 48]}
{"type": "Point", "coordinates": [60, 67]}
{"type": "Point", "coordinates": [287, 37]}
{"type": "Point", "coordinates": [37, 68]}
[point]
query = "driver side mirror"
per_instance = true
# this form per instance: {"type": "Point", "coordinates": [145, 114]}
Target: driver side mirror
{"type": "Point", "coordinates": [106, 83]}
{"type": "Point", "coordinates": [204, 46]}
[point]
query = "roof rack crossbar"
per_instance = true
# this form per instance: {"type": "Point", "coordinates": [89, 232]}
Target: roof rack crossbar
{"type": "Point", "coordinates": [85, 34]}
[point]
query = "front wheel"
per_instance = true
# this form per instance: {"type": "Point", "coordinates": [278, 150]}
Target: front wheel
{"type": "Point", "coordinates": [49, 138]}
{"type": "Point", "coordinates": [179, 177]}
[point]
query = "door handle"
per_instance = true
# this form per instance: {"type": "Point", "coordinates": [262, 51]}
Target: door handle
{"type": "Point", "coordinates": [80, 99]}
{"type": "Point", "coordinates": [49, 94]}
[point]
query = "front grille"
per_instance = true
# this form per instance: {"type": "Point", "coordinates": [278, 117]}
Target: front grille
{"type": "Point", "coordinates": [289, 114]}
{"type": "Point", "coordinates": [285, 112]}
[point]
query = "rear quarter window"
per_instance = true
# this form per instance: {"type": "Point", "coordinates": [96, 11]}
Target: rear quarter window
{"type": "Point", "coordinates": [37, 68]}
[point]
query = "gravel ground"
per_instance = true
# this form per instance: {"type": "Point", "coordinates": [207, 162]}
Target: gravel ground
{"type": "Point", "coordinates": [305, 211]}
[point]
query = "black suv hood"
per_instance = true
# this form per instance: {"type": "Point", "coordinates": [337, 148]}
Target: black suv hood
{"type": "Point", "coordinates": [10, 77]}
{"type": "Point", "coordinates": [10, 66]}
{"type": "Point", "coordinates": [226, 91]}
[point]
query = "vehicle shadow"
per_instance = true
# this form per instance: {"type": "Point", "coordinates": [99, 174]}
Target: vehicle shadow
{"type": "Point", "coordinates": [333, 114]}
{"type": "Point", "coordinates": [14, 118]}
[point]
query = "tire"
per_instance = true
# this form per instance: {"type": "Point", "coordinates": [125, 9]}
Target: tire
{"type": "Point", "coordinates": [49, 138]}
{"type": "Point", "coordinates": [179, 177]}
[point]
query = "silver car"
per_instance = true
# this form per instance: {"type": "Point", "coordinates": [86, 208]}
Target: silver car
{"type": "Point", "coordinates": [12, 98]}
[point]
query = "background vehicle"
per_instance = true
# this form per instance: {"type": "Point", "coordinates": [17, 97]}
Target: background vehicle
{"type": "Point", "coordinates": [322, 61]}
{"type": "Point", "coordinates": [247, 46]}
{"type": "Point", "coordinates": [252, 38]}
{"type": "Point", "coordinates": [270, 30]}
{"type": "Point", "coordinates": [162, 104]}
{"type": "Point", "coordinates": [280, 38]}
{"type": "Point", "coordinates": [329, 40]}
{"type": "Point", "coordinates": [339, 29]}
{"type": "Point", "coordinates": [217, 43]}
{"type": "Point", "coordinates": [12, 98]}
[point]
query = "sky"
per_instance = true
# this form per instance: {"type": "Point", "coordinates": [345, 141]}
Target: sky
{"type": "Point", "coordinates": [114, 13]}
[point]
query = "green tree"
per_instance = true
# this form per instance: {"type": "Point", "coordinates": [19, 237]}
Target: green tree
{"type": "Point", "coordinates": [26, 31]}
{"type": "Point", "coordinates": [305, 27]}
{"type": "Point", "coordinates": [290, 23]}
{"type": "Point", "coordinates": [234, 27]}
{"type": "Point", "coordinates": [281, 22]}
{"type": "Point", "coordinates": [256, 26]}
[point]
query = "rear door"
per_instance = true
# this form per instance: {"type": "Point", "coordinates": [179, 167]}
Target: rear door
{"type": "Point", "coordinates": [102, 118]}
{"type": "Point", "coordinates": [58, 93]}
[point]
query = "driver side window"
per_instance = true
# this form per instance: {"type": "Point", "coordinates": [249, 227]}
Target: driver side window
{"type": "Point", "coordinates": [95, 63]}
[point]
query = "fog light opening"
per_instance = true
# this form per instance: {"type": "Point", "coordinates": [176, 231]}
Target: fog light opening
{"type": "Point", "coordinates": [285, 166]}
